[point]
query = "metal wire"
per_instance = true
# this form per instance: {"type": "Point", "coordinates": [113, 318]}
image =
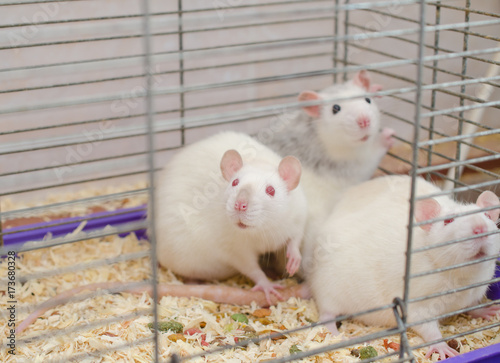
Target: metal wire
{"type": "Point", "coordinates": [263, 96]}
{"type": "Point", "coordinates": [172, 123]}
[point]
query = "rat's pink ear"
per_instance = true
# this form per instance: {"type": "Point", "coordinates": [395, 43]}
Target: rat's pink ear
{"type": "Point", "coordinates": [362, 79]}
{"type": "Point", "coordinates": [426, 209]}
{"type": "Point", "coordinates": [489, 199]}
{"type": "Point", "coordinates": [290, 170]}
{"type": "Point", "coordinates": [313, 111]}
{"type": "Point", "coordinates": [230, 163]}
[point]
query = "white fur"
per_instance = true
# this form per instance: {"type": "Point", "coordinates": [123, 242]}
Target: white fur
{"type": "Point", "coordinates": [197, 232]}
{"type": "Point", "coordinates": [331, 150]}
{"type": "Point", "coordinates": [360, 255]}
{"type": "Point", "coordinates": [340, 134]}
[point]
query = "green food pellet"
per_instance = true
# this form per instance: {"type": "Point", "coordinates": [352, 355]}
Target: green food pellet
{"type": "Point", "coordinates": [367, 352]}
{"type": "Point", "coordinates": [242, 318]}
{"type": "Point", "coordinates": [171, 325]}
{"type": "Point", "coordinates": [294, 349]}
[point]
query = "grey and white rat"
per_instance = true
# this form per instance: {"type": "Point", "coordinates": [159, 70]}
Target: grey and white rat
{"type": "Point", "coordinates": [360, 255]}
{"type": "Point", "coordinates": [340, 138]}
{"type": "Point", "coordinates": [222, 202]}
{"type": "Point", "coordinates": [339, 144]}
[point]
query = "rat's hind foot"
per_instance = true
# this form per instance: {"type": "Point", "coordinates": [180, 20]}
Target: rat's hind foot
{"type": "Point", "coordinates": [442, 349]}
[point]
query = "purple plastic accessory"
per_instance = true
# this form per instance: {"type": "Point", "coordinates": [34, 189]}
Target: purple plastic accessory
{"type": "Point", "coordinates": [489, 354]}
{"type": "Point", "coordinates": [63, 226]}
{"type": "Point", "coordinates": [494, 289]}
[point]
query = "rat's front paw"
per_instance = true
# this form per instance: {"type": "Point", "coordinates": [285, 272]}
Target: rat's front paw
{"type": "Point", "coordinates": [442, 349]}
{"type": "Point", "coordinates": [387, 137]}
{"type": "Point", "coordinates": [268, 288]}
{"type": "Point", "coordinates": [485, 313]}
{"type": "Point", "coordinates": [294, 259]}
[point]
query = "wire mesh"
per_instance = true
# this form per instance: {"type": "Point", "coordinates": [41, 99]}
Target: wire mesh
{"type": "Point", "coordinates": [96, 95]}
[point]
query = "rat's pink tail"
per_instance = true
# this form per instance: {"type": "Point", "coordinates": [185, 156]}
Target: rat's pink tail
{"type": "Point", "coordinates": [216, 293]}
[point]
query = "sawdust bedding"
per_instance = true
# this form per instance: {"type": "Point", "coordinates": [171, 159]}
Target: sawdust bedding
{"type": "Point", "coordinates": [216, 327]}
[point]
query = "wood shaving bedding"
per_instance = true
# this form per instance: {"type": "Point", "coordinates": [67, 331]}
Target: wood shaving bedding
{"type": "Point", "coordinates": [214, 322]}
{"type": "Point", "coordinates": [212, 319]}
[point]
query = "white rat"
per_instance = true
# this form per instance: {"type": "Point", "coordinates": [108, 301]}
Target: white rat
{"type": "Point", "coordinates": [339, 144]}
{"type": "Point", "coordinates": [360, 255]}
{"type": "Point", "coordinates": [222, 202]}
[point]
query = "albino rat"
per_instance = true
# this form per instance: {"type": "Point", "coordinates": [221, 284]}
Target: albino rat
{"type": "Point", "coordinates": [221, 202]}
{"type": "Point", "coordinates": [339, 145]}
{"type": "Point", "coordinates": [219, 209]}
{"type": "Point", "coordinates": [360, 255]}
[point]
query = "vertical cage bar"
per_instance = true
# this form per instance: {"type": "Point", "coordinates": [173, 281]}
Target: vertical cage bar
{"type": "Point", "coordinates": [335, 42]}
{"type": "Point", "coordinates": [181, 72]}
{"type": "Point", "coordinates": [435, 64]}
{"type": "Point", "coordinates": [151, 165]}
{"type": "Point", "coordinates": [465, 47]}
{"type": "Point", "coordinates": [416, 136]}
{"type": "Point", "coordinates": [400, 314]}
{"type": "Point", "coordinates": [346, 42]}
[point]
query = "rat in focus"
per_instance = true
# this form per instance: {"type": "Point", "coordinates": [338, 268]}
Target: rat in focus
{"type": "Point", "coordinates": [222, 202]}
{"type": "Point", "coordinates": [339, 144]}
{"type": "Point", "coordinates": [360, 255]}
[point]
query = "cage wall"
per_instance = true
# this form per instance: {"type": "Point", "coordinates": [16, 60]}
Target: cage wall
{"type": "Point", "coordinates": [96, 97]}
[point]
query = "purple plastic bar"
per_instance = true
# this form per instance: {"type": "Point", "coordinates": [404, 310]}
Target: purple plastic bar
{"type": "Point", "coordinates": [493, 292]}
{"type": "Point", "coordinates": [489, 354]}
{"type": "Point", "coordinates": [37, 231]}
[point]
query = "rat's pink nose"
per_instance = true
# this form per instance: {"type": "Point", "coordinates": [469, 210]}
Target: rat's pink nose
{"type": "Point", "coordinates": [479, 230]}
{"type": "Point", "coordinates": [363, 122]}
{"type": "Point", "coordinates": [241, 205]}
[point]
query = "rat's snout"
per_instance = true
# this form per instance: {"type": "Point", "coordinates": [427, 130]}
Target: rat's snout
{"type": "Point", "coordinates": [479, 229]}
{"type": "Point", "coordinates": [241, 203]}
{"type": "Point", "coordinates": [363, 121]}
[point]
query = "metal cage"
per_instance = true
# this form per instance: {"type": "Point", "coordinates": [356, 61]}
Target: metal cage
{"type": "Point", "coordinates": [96, 96]}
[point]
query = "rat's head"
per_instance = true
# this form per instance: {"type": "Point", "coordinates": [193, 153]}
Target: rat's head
{"type": "Point", "coordinates": [258, 196]}
{"type": "Point", "coordinates": [456, 227]}
{"type": "Point", "coordinates": [351, 121]}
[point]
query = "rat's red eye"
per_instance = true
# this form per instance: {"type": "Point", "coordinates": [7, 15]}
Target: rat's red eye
{"type": "Point", "coordinates": [235, 182]}
{"type": "Point", "coordinates": [448, 221]}
{"type": "Point", "coordinates": [487, 216]}
{"type": "Point", "coordinates": [270, 191]}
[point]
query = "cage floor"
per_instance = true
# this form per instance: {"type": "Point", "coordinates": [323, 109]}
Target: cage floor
{"type": "Point", "coordinates": [211, 318]}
